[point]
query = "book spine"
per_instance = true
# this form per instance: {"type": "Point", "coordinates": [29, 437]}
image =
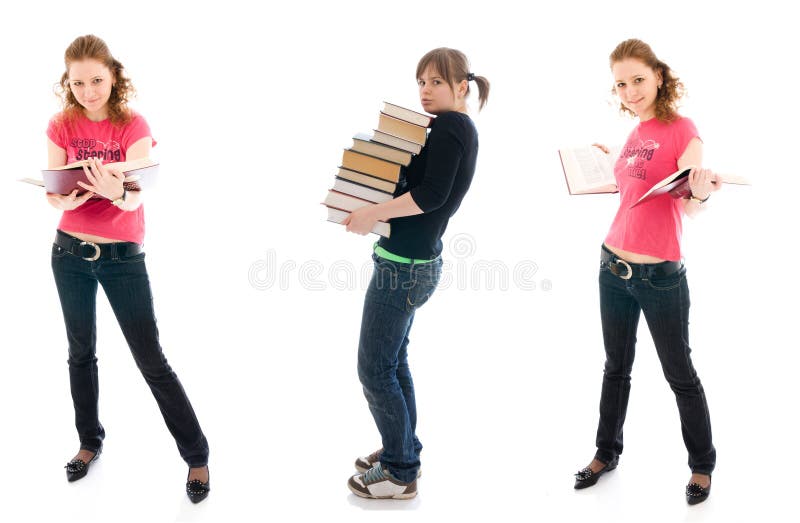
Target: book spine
{"type": "Point", "coordinates": [345, 180]}
{"type": "Point", "coordinates": [371, 165]}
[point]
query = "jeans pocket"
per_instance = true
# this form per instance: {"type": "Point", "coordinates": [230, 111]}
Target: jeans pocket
{"type": "Point", "coordinates": [418, 294]}
{"type": "Point", "coordinates": [666, 283]}
{"type": "Point", "coordinates": [422, 285]}
{"type": "Point", "coordinates": [58, 252]}
{"type": "Point", "coordinates": [136, 258]}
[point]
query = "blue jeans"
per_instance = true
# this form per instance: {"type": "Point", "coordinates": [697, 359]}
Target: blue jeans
{"type": "Point", "coordinates": [665, 303]}
{"type": "Point", "coordinates": [127, 287]}
{"type": "Point", "coordinates": [396, 291]}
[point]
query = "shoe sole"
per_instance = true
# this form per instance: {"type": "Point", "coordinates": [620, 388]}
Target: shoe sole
{"type": "Point", "coordinates": [365, 495]}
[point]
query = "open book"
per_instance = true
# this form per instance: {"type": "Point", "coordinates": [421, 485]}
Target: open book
{"type": "Point", "coordinates": [588, 170]}
{"type": "Point", "coordinates": [64, 180]}
{"type": "Point", "coordinates": [677, 184]}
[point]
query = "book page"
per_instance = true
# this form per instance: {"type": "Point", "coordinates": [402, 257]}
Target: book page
{"type": "Point", "coordinates": [32, 181]}
{"type": "Point", "coordinates": [734, 179]}
{"type": "Point", "coordinates": [595, 169]}
{"type": "Point", "coordinates": [587, 169]}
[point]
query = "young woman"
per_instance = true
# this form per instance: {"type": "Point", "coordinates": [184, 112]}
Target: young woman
{"type": "Point", "coordinates": [407, 269]}
{"type": "Point", "coordinates": [99, 240]}
{"type": "Point", "coordinates": [641, 268]}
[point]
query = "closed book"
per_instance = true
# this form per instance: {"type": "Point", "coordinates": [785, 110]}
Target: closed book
{"type": "Point", "coordinates": [407, 114]}
{"type": "Point", "coordinates": [402, 129]}
{"type": "Point", "coordinates": [345, 202]}
{"type": "Point", "coordinates": [365, 179]}
{"type": "Point", "coordinates": [361, 191]}
{"type": "Point", "coordinates": [394, 141]}
{"type": "Point", "coordinates": [338, 216]}
{"type": "Point", "coordinates": [364, 163]}
{"type": "Point", "coordinates": [363, 143]}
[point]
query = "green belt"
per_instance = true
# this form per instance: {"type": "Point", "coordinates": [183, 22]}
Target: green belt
{"type": "Point", "coordinates": [386, 255]}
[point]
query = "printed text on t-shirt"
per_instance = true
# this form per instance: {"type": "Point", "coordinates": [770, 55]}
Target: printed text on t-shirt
{"type": "Point", "coordinates": [636, 156]}
{"type": "Point", "coordinates": [86, 148]}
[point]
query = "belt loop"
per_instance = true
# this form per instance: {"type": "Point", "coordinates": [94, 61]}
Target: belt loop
{"type": "Point", "coordinates": [114, 253]}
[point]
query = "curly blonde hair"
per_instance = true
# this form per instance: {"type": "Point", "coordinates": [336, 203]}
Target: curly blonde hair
{"type": "Point", "coordinates": [671, 90]}
{"type": "Point", "coordinates": [90, 47]}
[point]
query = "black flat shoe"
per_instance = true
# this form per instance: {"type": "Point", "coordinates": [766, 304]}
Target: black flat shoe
{"type": "Point", "coordinates": [586, 478]}
{"type": "Point", "coordinates": [696, 494]}
{"type": "Point", "coordinates": [77, 468]}
{"type": "Point", "coordinates": [197, 490]}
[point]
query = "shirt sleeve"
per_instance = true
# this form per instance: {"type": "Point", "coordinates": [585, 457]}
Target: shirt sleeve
{"type": "Point", "coordinates": [135, 130]}
{"type": "Point", "coordinates": [445, 150]}
{"type": "Point", "coordinates": [685, 130]}
{"type": "Point", "coordinates": [56, 132]}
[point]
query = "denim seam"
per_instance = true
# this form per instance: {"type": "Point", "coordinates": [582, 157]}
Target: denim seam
{"type": "Point", "coordinates": [627, 360]}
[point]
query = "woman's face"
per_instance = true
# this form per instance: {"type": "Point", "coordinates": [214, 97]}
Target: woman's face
{"type": "Point", "coordinates": [90, 82]}
{"type": "Point", "coordinates": [637, 85]}
{"type": "Point", "coordinates": [435, 94]}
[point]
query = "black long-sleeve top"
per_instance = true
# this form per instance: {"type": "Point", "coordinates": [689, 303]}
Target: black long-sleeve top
{"type": "Point", "coordinates": [437, 178]}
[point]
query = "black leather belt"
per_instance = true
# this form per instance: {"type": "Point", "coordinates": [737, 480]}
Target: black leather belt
{"type": "Point", "coordinates": [644, 271]}
{"type": "Point", "coordinates": [90, 251]}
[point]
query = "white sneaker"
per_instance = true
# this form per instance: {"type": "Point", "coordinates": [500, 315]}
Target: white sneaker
{"type": "Point", "coordinates": [378, 483]}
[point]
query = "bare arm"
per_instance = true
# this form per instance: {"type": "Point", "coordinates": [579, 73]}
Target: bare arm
{"type": "Point", "coordinates": [107, 182]}
{"type": "Point", "coordinates": [701, 181]}
{"type": "Point", "coordinates": [56, 156]}
{"type": "Point", "coordinates": [361, 221]}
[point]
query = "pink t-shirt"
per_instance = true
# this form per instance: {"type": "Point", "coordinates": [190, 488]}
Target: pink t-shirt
{"type": "Point", "coordinates": [650, 155]}
{"type": "Point", "coordinates": [83, 139]}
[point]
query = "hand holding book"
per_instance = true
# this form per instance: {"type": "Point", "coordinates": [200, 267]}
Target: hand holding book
{"type": "Point", "coordinates": [68, 202]}
{"type": "Point", "coordinates": [104, 180]}
{"type": "Point", "coordinates": [590, 170]}
{"type": "Point", "coordinates": [371, 170]}
{"type": "Point", "coordinates": [65, 180]}
{"type": "Point", "coordinates": [679, 184]}
{"type": "Point", "coordinates": [361, 221]}
{"type": "Point", "coordinates": [702, 182]}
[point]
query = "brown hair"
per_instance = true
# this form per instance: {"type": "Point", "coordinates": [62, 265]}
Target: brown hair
{"type": "Point", "coordinates": [671, 89]}
{"type": "Point", "coordinates": [90, 47]}
{"type": "Point", "coordinates": [454, 68]}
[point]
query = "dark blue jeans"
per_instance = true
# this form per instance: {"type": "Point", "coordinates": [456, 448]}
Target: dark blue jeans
{"type": "Point", "coordinates": [127, 287]}
{"type": "Point", "coordinates": [395, 292]}
{"type": "Point", "coordinates": [665, 303]}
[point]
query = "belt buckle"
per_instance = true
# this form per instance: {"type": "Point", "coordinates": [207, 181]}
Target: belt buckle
{"type": "Point", "coordinates": [96, 251]}
{"type": "Point", "coordinates": [627, 266]}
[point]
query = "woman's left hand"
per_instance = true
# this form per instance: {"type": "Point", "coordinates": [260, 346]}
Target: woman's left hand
{"type": "Point", "coordinates": [105, 181]}
{"type": "Point", "coordinates": [702, 182]}
{"type": "Point", "coordinates": [361, 221]}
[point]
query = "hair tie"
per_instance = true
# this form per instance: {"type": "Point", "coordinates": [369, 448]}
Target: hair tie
{"type": "Point", "coordinates": [470, 77]}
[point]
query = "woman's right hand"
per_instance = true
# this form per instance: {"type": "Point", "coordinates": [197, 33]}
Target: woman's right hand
{"type": "Point", "coordinates": [602, 147]}
{"type": "Point", "coordinates": [69, 201]}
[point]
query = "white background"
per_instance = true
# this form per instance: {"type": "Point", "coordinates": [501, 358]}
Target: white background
{"type": "Point", "coordinates": [251, 107]}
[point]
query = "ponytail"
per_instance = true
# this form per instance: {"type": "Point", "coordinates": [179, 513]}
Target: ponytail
{"type": "Point", "coordinates": [483, 90]}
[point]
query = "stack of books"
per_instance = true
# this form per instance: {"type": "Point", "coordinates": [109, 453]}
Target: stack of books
{"type": "Point", "coordinates": [370, 169]}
